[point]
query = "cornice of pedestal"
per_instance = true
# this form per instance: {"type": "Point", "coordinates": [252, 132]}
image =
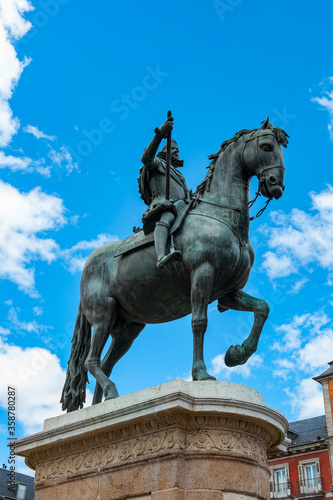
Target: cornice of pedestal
{"type": "Point", "coordinates": [178, 416]}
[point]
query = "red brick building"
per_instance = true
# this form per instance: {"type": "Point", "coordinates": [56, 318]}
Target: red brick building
{"type": "Point", "coordinates": [304, 469]}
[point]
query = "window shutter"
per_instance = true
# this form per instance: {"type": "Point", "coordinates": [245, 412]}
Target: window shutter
{"type": "Point", "coordinates": [288, 480]}
{"type": "Point", "coordinates": [301, 479]}
{"type": "Point", "coordinates": [287, 473]}
{"type": "Point", "coordinates": [319, 485]}
{"type": "Point", "coordinates": [272, 484]}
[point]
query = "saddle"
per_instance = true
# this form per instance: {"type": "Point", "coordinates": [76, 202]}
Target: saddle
{"type": "Point", "coordinates": [140, 239]}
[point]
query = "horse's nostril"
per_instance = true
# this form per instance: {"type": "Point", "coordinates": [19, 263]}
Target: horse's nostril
{"type": "Point", "coordinates": [276, 192]}
{"type": "Point", "coordinates": [272, 179]}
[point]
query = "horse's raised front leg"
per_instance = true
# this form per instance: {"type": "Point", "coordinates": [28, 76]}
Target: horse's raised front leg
{"type": "Point", "coordinates": [202, 284]}
{"type": "Point", "coordinates": [241, 301]}
{"type": "Point", "coordinates": [104, 318]}
{"type": "Point", "coordinates": [121, 342]}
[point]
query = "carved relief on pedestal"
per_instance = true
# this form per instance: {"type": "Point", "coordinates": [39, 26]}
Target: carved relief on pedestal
{"type": "Point", "coordinates": [176, 431]}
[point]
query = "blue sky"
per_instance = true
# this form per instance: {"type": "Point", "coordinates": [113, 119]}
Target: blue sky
{"type": "Point", "coordinates": [82, 88]}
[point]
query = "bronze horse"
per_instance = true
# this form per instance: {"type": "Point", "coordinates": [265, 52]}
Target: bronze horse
{"type": "Point", "coordinates": [120, 295]}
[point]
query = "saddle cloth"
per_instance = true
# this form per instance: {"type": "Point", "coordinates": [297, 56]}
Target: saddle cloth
{"type": "Point", "coordinates": [134, 241]}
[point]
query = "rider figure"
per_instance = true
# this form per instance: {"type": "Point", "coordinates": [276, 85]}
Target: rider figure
{"type": "Point", "coordinates": [161, 212]}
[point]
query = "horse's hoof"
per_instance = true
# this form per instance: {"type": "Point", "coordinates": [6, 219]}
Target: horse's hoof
{"type": "Point", "coordinates": [235, 356]}
{"type": "Point", "coordinates": [199, 375]}
{"type": "Point", "coordinates": [111, 392]}
{"type": "Point", "coordinates": [209, 377]}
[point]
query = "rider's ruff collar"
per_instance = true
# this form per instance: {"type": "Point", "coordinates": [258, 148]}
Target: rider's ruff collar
{"type": "Point", "coordinates": [174, 163]}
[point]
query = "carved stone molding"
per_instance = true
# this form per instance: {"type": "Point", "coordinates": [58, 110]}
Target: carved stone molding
{"type": "Point", "coordinates": [165, 441]}
{"type": "Point", "coordinates": [151, 437]}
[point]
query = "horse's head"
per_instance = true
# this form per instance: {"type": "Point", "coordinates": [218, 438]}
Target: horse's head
{"type": "Point", "coordinates": [263, 157]}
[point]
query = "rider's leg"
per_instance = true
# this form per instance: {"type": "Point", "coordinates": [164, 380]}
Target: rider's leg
{"type": "Point", "coordinates": [161, 234]}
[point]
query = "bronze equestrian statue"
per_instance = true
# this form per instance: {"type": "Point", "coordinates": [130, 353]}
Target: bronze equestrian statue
{"type": "Point", "coordinates": [122, 289]}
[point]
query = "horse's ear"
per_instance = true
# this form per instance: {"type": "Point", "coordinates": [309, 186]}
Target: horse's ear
{"type": "Point", "coordinates": [265, 123]}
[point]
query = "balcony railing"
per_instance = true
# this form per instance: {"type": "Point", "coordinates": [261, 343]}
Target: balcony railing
{"type": "Point", "coordinates": [281, 490]}
{"type": "Point", "coordinates": [309, 486]}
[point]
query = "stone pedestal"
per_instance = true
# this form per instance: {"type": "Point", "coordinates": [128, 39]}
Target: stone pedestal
{"type": "Point", "coordinates": [176, 441]}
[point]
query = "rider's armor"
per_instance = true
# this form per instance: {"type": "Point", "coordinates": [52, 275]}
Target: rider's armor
{"type": "Point", "coordinates": [162, 212]}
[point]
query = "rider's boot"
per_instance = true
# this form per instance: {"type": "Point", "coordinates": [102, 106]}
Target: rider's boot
{"type": "Point", "coordinates": [161, 235]}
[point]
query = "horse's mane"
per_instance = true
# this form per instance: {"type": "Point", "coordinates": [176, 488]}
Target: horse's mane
{"type": "Point", "coordinates": [280, 135]}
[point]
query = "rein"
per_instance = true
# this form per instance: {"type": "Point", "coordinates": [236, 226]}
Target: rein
{"type": "Point", "coordinates": [218, 204]}
{"type": "Point", "coordinates": [259, 213]}
{"type": "Point", "coordinates": [252, 202]}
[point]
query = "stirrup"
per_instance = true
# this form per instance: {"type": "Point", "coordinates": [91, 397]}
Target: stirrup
{"type": "Point", "coordinates": [173, 256]}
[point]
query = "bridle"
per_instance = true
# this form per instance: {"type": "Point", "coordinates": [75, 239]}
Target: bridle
{"type": "Point", "coordinates": [262, 181]}
{"type": "Point", "coordinates": [255, 135]}
{"type": "Point", "coordinates": [262, 178]}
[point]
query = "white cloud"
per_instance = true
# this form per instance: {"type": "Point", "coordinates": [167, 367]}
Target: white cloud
{"type": "Point", "coordinates": [24, 326]}
{"type": "Point", "coordinates": [4, 331]}
{"type": "Point", "coordinates": [38, 378]}
{"type": "Point", "coordinates": [186, 376]}
{"type": "Point", "coordinates": [278, 266]}
{"type": "Point", "coordinates": [220, 369]}
{"type": "Point", "coordinates": [76, 256]}
{"type": "Point", "coordinates": [300, 330]}
{"type": "Point", "coordinates": [63, 160]}
{"type": "Point", "coordinates": [22, 217]}
{"type": "Point", "coordinates": [15, 163]}
{"type": "Point", "coordinates": [36, 375]}
{"type": "Point", "coordinates": [306, 345]}
{"type": "Point", "coordinates": [307, 399]}
{"type": "Point", "coordinates": [291, 335]}
{"type": "Point", "coordinates": [284, 367]}
{"type": "Point", "coordinates": [30, 129]}
{"type": "Point", "coordinates": [12, 27]}
{"type": "Point", "coordinates": [298, 286]}
{"type": "Point", "coordinates": [24, 164]}
{"type": "Point", "coordinates": [11, 17]}
{"type": "Point", "coordinates": [38, 311]}
{"type": "Point", "coordinates": [313, 354]}
{"type": "Point", "coordinates": [326, 102]}
{"type": "Point", "coordinates": [300, 239]}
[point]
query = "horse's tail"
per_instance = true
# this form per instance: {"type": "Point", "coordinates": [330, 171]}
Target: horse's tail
{"type": "Point", "coordinates": [74, 391]}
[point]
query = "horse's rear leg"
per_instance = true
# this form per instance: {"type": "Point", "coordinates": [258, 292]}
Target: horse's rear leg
{"type": "Point", "coordinates": [241, 301]}
{"type": "Point", "coordinates": [202, 283]}
{"type": "Point", "coordinates": [103, 321]}
{"type": "Point", "coordinates": [120, 344]}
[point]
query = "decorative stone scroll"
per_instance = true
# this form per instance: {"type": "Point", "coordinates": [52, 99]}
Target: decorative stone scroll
{"type": "Point", "coordinates": [176, 431]}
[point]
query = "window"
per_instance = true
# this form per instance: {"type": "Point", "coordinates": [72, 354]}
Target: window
{"type": "Point", "coordinates": [309, 476]}
{"type": "Point", "coordinates": [280, 484]}
{"type": "Point", "coordinates": [21, 491]}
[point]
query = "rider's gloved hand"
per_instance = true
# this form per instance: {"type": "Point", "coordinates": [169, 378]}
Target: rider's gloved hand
{"type": "Point", "coordinates": [166, 127]}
